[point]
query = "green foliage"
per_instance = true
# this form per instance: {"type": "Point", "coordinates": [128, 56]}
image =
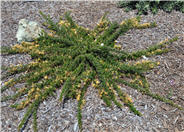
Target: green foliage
{"type": "Point", "coordinates": [144, 6]}
{"type": "Point", "coordinates": [71, 58]}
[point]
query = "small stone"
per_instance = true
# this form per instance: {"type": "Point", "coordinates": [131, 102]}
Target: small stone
{"type": "Point", "coordinates": [27, 31]}
{"type": "Point", "coordinates": [3, 104]}
{"type": "Point", "coordinates": [100, 124]}
{"type": "Point", "coordinates": [49, 129]}
{"type": "Point", "coordinates": [94, 124]}
{"type": "Point", "coordinates": [75, 127]}
{"type": "Point", "coordinates": [145, 107]}
{"type": "Point", "coordinates": [114, 118]}
{"type": "Point", "coordinates": [123, 125]}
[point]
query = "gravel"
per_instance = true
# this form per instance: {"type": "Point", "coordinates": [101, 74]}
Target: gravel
{"type": "Point", "coordinates": [167, 79]}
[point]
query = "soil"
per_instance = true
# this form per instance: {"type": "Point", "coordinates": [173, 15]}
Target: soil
{"type": "Point", "coordinates": [167, 79]}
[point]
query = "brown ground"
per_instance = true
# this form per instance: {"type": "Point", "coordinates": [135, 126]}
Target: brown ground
{"type": "Point", "coordinates": [167, 79]}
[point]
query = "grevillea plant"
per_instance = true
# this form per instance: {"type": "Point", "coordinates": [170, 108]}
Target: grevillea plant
{"type": "Point", "coordinates": [72, 58]}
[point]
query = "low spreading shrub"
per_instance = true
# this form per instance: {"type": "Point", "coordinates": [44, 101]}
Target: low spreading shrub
{"type": "Point", "coordinates": [144, 6]}
{"type": "Point", "coordinates": [72, 58]}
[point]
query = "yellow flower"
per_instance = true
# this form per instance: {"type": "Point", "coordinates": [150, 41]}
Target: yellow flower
{"type": "Point", "coordinates": [36, 45]}
{"type": "Point", "coordinates": [164, 41]}
{"type": "Point", "coordinates": [101, 61]}
{"type": "Point", "coordinates": [145, 25]}
{"type": "Point", "coordinates": [117, 46]}
{"type": "Point", "coordinates": [41, 52]}
{"type": "Point", "coordinates": [97, 81]}
{"type": "Point", "coordinates": [21, 90]}
{"type": "Point", "coordinates": [6, 83]}
{"type": "Point", "coordinates": [26, 102]}
{"type": "Point", "coordinates": [38, 89]}
{"type": "Point", "coordinates": [93, 85]}
{"type": "Point", "coordinates": [36, 96]}
{"type": "Point", "coordinates": [144, 61]}
{"type": "Point", "coordinates": [94, 34]}
{"type": "Point", "coordinates": [137, 77]}
{"type": "Point", "coordinates": [74, 30]}
{"type": "Point", "coordinates": [67, 24]}
{"type": "Point", "coordinates": [61, 22]}
{"type": "Point", "coordinates": [140, 82]}
{"type": "Point", "coordinates": [148, 53]}
{"type": "Point", "coordinates": [22, 103]}
{"type": "Point", "coordinates": [158, 50]}
{"type": "Point", "coordinates": [50, 34]}
{"type": "Point", "coordinates": [78, 97]}
{"type": "Point", "coordinates": [128, 99]}
{"type": "Point", "coordinates": [83, 102]}
{"type": "Point", "coordinates": [101, 93]}
{"type": "Point", "coordinates": [32, 90]}
{"type": "Point", "coordinates": [29, 93]}
{"type": "Point", "coordinates": [45, 77]}
{"type": "Point", "coordinates": [46, 87]}
{"type": "Point", "coordinates": [9, 81]}
{"type": "Point", "coordinates": [52, 31]}
{"type": "Point", "coordinates": [151, 66]}
{"type": "Point", "coordinates": [158, 63]}
{"type": "Point", "coordinates": [123, 22]}
{"type": "Point", "coordinates": [137, 63]}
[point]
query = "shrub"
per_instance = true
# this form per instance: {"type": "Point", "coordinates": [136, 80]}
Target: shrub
{"type": "Point", "coordinates": [144, 6]}
{"type": "Point", "coordinates": [73, 58]}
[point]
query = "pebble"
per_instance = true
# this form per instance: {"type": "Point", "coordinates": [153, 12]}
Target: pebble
{"type": "Point", "coordinates": [114, 118]}
{"type": "Point", "coordinates": [49, 129]}
{"type": "Point", "coordinates": [100, 124]}
{"type": "Point", "coordinates": [75, 127]}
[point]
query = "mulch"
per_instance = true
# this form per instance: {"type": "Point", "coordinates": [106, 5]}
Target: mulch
{"type": "Point", "coordinates": [167, 79]}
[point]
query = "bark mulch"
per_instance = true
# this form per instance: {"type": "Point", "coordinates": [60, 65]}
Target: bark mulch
{"type": "Point", "coordinates": [167, 79]}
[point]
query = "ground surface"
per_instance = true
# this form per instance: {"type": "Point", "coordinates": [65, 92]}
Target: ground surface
{"type": "Point", "coordinates": [167, 79]}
